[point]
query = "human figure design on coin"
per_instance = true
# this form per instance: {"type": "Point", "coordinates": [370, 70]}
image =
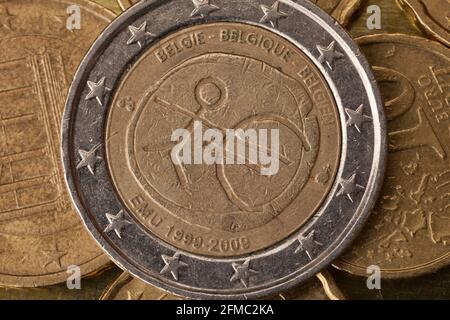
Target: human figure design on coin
{"type": "Point", "coordinates": [408, 233]}
{"type": "Point", "coordinates": [227, 159]}
{"type": "Point", "coordinates": [126, 287]}
{"type": "Point", "coordinates": [40, 235]}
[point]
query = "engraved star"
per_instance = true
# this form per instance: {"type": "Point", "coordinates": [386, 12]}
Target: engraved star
{"type": "Point", "coordinates": [203, 8]}
{"type": "Point", "coordinates": [116, 223]}
{"type": "Point", "coordinates": [89, 159]}
{"type": "Point", "coordinates": [53, 256]}
{"type": "Point", "coordinates": [98, 90]}
{"type": "Point", "coordinates": [356, 118]}
{"type": "Point", "coordinates": [172, 265]}
{"type": "Point", "coordinates": [272, 14]}
{"type": "Point", "coordinates": [139, 35]}
{"type": "Point", "coordinates": [243, 273]}
{"type": "Point", "coordinates": [348, 187]}
{"type": "Point", "coordinates": [329, 54]}
{"type": "Point", "coordinates": [5, 18]}
{"type": "Point", "coordinates": [307, 244]}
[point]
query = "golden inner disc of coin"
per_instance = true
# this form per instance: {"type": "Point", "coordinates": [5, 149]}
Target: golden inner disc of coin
{"type": "Point", "coordinates": [220, 79]}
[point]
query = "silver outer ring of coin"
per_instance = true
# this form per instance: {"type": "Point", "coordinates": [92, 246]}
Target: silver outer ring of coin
{"type": "Point", "coordinates": [289, 262]}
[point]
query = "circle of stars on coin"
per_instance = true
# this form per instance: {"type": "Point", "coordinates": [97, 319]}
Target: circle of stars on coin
{"type": "Point", "coordinates": [203, 8]}
{"type": "Point", "coordinates": [172, 265]}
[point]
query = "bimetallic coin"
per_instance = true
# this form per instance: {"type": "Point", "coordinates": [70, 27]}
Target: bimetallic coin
{"type": "Point", "coordinates": [432, 15]}
{"type": "Point", "coordinates": [341, 10]}
{"type": "Point", "coordinates": [40, 234]}
{"type": "Point", "coordinates": [126, 287]}
{"type": "Point", "coordinates": [235, 70]}
{"type": "Point", "coordinates": [409, 231]}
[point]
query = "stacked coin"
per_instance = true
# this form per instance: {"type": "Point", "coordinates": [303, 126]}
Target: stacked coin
{"type": "Point", "coordinates": [221, 149]}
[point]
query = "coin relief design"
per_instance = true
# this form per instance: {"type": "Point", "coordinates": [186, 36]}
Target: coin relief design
{"type": "Point", "coordinates": [159, 104]}
{"type": "Point", "coordinates": [408, 232]}
{"type": "Point", "coordinates": [210, 209]}
{"type": "Point", "coordinates": [40, 234]}
{"type": "Point", "coordinates": [432, 15]}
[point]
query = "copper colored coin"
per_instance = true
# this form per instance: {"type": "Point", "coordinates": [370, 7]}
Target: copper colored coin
{"type": "Point", "coordinates": [40, 234]}
{"type": "Point", "coordinates": [409, 230]}
{"type": "Point", "coordinates": [126, 287]}
{"type": "Point", "coordinates": [226, 210]}
{"type": "Point", "coordinates": [432, 15]}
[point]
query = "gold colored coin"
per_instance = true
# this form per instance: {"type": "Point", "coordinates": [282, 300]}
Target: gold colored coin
{"type": "Point", "coordinates": [433, 16]}
{"type": "Point", "coordinates": [40, 234]}
{"type": "Point", "coordinates": [126, 287]}
{"type": "Point", "coordinates": [224, 76]}
{"type": "Point", "coordinates": [409, 230]}
{"type": "Point", "coordinates": [341, 10]}
{"type": "Point", "coordinates": [112, 5]}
